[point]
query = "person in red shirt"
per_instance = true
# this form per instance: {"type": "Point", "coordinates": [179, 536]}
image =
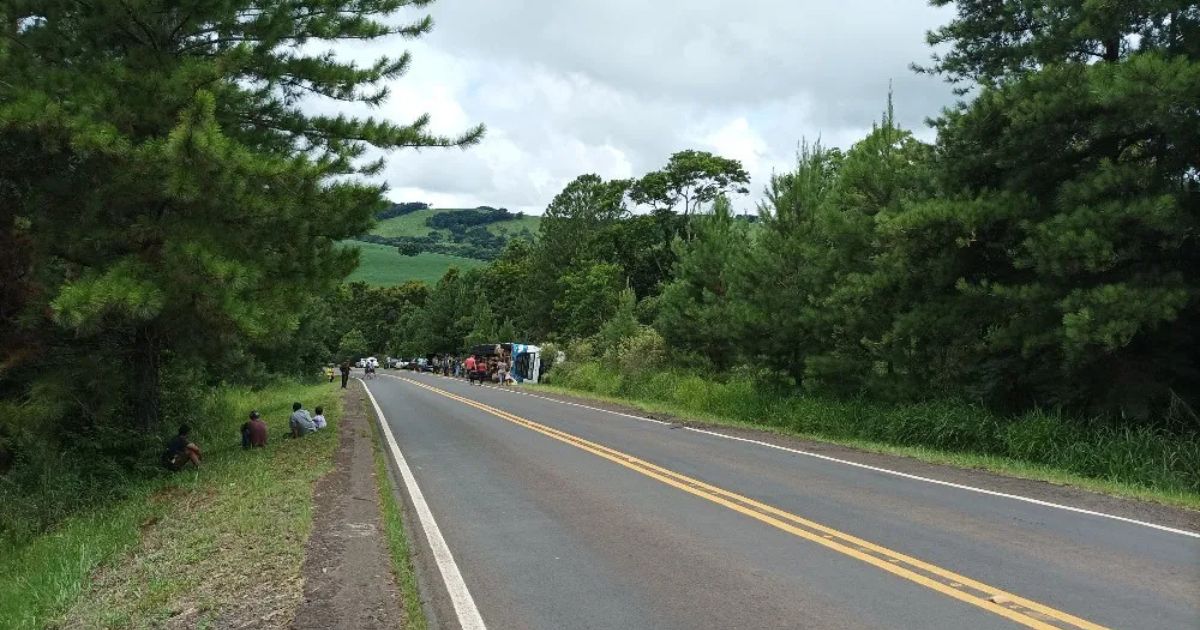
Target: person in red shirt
{"type": "Point", "coordinates": [254, 432]}
{"type": "Point", "coordinates": [470, 365]}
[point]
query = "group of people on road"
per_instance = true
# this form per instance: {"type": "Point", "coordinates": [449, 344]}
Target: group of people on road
{"type": "Point", "coordinates": [494, 369]}
{"type": "Point", "coordinates": [181, 450]}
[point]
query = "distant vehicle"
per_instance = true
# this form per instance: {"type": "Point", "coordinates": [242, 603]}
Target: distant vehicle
{"type": "Point", "coordinates": [395, 363]}
{"type": "Point", "coordinates": [371, 362]}
{"type": "Point", "coordinates": [361, 363]}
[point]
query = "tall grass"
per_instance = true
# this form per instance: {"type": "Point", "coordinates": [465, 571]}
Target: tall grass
{"type": "Point", "coordinates": [1139, 456]}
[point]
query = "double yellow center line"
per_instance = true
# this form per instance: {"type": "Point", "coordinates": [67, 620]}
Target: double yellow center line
{"type": "Point", "coordinates": [1013, 607]}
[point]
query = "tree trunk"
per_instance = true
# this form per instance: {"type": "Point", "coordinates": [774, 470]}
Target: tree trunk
{"type": "Point", "coordinates": [1112, 49]}
{"type": "Point", "coordinates": [147, 354]}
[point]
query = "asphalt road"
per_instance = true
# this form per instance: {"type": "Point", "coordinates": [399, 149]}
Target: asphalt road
{"type": "Point", "coordinates": [562, 517]}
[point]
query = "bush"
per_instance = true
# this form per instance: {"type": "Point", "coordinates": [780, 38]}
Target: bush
{"type": "Point", "coordinates": [644, 350]}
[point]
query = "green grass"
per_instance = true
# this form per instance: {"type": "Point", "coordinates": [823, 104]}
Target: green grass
{"type": "Point", "coordinates": [189, 545]}
{"type": "Point", "coordinates": [398, 545]}
{"type": "Point", "coordinates": [1142, 463]}
{"type": "Point", "coordinates": [413, 224]}
{"type": "Point", "coordinates": [514, 226]}
{"type": "Point", "coordinates": [382, 265]}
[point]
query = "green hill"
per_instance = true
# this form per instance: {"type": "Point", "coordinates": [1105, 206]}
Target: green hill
{"type": "Point", "coordinates": [413, 225]}
{"type": "Point", "coordinates": [382, 265]}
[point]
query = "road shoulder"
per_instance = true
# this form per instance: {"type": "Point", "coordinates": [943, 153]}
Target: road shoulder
{"type": "Point", "coordinates": [348, 580]}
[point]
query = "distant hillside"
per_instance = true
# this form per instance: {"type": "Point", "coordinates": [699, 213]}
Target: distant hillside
{"type": "Point", "coordinates": [382, 265]}
{"type": "Point", "coordinates": [479, 233]}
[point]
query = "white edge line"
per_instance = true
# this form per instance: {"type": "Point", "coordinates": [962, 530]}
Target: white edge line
{"type": "Point", "coordinates": [460, 596]}
{"type": "Point", "coordinates": [887, 471]}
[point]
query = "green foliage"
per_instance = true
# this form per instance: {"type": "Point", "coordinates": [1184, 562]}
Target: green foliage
{"type": "Point", "coordinates": [376, 311]}
{"type": "Point", "coordinates": [623, 323]}
{"type": "Point", "coordinates": [1073, 249]}
{"type": "Point", "coordinates": [353, 345]}
{"type": "Point", "coordinates": [641, 350]}
{"type": "Point", "coordinates": [183, 204]}
{"type": "Point", "coordinates": [588, 297]}
{"type": "Point", "coordinates": [692, 178]}
{"type": "Point", "coordinates": [695, 311]}
{"type": "Point", "coordinates": [483, 325]}
{"type": "Point", "coordinates": [990, 41]}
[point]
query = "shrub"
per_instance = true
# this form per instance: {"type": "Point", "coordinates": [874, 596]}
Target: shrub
{"type": "Point", "coordinates": [642, 351]}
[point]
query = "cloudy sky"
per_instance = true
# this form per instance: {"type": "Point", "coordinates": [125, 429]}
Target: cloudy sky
{"type": "Point", "coordinates": [613, 87]}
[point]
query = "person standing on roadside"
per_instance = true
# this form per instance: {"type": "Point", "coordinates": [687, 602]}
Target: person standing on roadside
{"type": "Point", "coordinates": [470, 366]}
{"type": "Point", "coordinates": [502, 371]}
{"type": "Point", "coordinates": [345, 367]}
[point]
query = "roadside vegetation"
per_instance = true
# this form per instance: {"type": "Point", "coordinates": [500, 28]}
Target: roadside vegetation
{"type": "Point", "coordinates": [225, 541]}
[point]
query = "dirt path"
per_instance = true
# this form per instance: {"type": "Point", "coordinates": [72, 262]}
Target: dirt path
{"type": "Point", "coordinates": [348, 581]}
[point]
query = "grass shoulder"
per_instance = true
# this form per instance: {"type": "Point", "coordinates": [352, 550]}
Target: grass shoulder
{"type": "Point", "coordinates": [219, 545]}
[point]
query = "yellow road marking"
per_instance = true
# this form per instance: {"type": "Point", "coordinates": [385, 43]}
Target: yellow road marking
{"type": "Point", "coordinates": [997, 601]}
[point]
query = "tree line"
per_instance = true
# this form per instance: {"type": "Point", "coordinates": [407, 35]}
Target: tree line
{"type": "Point", "coordinates": [1042, 252]}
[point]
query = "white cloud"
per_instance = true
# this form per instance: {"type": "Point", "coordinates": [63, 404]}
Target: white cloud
{"type": "Point", "coordinates": [614, 88]}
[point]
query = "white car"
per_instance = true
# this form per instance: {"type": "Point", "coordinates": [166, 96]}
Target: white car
{"type": "Point", "coordinates": [371, 362]}
{"type": "Point", "coordinates": [362, 363]}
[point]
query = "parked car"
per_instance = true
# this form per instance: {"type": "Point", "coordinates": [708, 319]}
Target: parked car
{"type": "Point", "coordinates": [395, 363]}
{"type": "Point", "coordinates": [361, 363]}
{"type": "Point", "coordinates": [371, 362]}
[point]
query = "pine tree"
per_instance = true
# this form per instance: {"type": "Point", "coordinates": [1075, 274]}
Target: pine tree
{"type": "Point", "coordinates": [1076, 204]}
{"type": "Point", "coordinates": [187, 201]}
{"type": "Point", "coordinates": [696, 307]}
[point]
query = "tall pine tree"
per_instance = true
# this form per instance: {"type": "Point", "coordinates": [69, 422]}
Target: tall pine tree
{"type": "Point", "coordinates": [187, 200]}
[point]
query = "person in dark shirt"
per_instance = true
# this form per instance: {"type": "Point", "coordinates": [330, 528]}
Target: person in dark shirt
{"type": "Point", "coordinates": [180, 451]}
{"type": "Point", "coordinates": [254, 432]}
{"type": "Point", "coordinates": [345, 368]}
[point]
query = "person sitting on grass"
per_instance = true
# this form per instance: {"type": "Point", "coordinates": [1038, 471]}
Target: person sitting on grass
{"type": "Point", "coordinates": [300, 422]}
{"type": "Point", "coordinates": [180, 451]}
{"type": "Point", "coordinates": [254, 432]}
{"type": "Point", "coordinates": [319, 419]}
